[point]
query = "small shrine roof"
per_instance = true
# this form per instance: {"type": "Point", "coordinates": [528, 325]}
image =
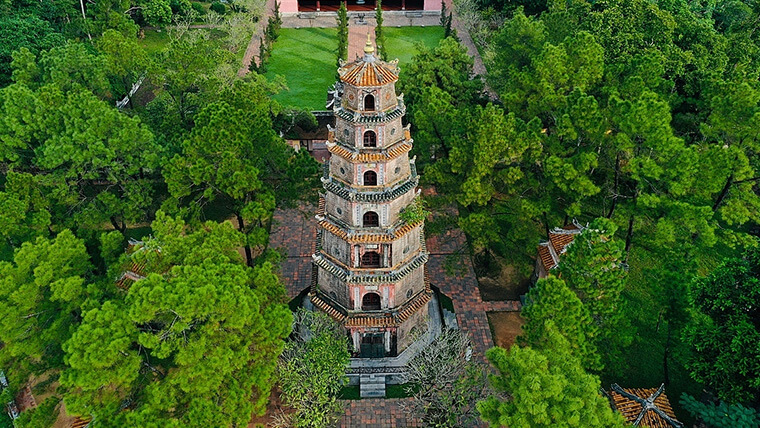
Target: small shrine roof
{"type": "Point", "coordinates": [368, 70]}
{"type": "Point", "coordinates": [559, 238]}
{"type": "Point", "coordinates": [644, 407]}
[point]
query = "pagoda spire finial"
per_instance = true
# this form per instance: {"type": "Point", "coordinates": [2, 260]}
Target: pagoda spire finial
{"type": "Point", "coordinates": [369, 49]}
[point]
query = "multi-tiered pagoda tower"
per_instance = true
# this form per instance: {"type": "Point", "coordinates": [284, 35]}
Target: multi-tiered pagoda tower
{"type": "Point", "coordinates": [369, 263]}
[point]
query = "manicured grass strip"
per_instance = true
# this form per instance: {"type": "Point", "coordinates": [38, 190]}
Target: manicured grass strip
{"type": "Point", "coordinates": [305, 57]}
{"type": "Point", "coordinates": [402, 41]}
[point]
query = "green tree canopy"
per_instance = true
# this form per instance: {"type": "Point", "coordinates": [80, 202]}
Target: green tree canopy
{"type": "Point", "coordinates": [312, 370]}
{"type": "Point", "coordinates": [552, 300]}
{"type": "Point", "coordinates": [42, 291]}
{"type": "Point", "coordinates": [546, 388]}
{"type": "Point", "coordinates": [724, 333]}
{"type": "Point", "coordinates": [194, 343]}
{"type": "Point", "coordinates": [234, 156]}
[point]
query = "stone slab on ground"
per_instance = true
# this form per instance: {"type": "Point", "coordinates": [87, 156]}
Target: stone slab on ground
{"type": "Point", "coordinates": [372, 386]}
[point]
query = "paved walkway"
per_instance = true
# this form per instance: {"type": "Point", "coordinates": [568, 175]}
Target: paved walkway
{"type": "Point", "coordinates": [294, 230]}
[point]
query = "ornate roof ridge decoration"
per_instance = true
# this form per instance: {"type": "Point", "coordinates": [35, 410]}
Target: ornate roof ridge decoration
{"type": "Point", "coordinates": [385, 195]}
{"type": "Point", "coordinates": [394, 151]}
{"type": "Point", "coordinates": [350, 276]}
{"type": "Point", "coordinates": [362, 72]}
{"type": "Point", "coordinates": [372, 116]}
{"type": "Point", "coordinates": [647, 407]}
{"type": "Point", "coordinates": [559, 239]}
{"type": "Point", "coordinates": [354, 237]}
{"type": "Point", "coordinates": [317, 300]}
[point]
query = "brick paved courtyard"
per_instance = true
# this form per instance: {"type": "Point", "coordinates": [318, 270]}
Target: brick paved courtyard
{"type": "Point", "coordinates": [294, 230]}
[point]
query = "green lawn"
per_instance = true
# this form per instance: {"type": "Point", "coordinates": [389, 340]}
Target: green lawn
{"type": "Point", "coordinates": [402, 42]}
{"type": "Point", "coordinates": [154, 41]}
{"type": "Point", "coordinates": [305, 57]}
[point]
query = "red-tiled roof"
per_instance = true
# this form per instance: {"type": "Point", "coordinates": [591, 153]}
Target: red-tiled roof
{"type": "Point", "coordinates": [546, 257]}
{"type": "Point", "coordinates": [644, 407]}
{"type": "Point", "coordinates": [369, 73]}
{"type": "Point", "coordinates": [78, 422]}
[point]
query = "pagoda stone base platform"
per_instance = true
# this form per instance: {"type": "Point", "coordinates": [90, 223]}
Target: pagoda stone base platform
{"type": "Point", "coordinates": [392, 368]}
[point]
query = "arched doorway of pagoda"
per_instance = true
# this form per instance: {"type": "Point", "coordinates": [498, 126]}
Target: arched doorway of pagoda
{"type": "Point", "coordinates": [370, 178]}
{"type": "Point", "coordinates": [373, 345]}
{"type": "Point", "coordinates": [369, 102]}
{"type": "Point", "coordinates": [370, 219]}
{"type": "Point", "coordinates": [370, 139]}
{"type": "Point", "coordinates": [370, 259]}
{"type": "Point", "coordinates": [371, 302]}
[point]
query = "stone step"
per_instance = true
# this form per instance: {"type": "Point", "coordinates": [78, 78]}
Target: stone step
{"type": "Point", "coordinates": [372, 386]}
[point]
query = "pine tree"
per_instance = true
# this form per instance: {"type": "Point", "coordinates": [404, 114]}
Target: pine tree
{"type": "Point", "coordinates": [342, 34]}
{"type": "Point", "coordinates": [379, 36]}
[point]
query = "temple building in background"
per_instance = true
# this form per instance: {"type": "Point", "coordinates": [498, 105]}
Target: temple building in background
{"type": "Point", "coordinates": [330, 6]}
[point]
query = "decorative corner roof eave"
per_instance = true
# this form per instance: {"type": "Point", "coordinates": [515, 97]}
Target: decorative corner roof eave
{"type": "Point", "coordinates": [353, 277]}
{"type": "Point", "coordinates": [365, 196]}
{"type": "Point", "coordinates": [367, 238]}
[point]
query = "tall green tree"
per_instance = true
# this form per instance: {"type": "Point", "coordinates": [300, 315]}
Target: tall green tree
{"type": "Point", "coordinates": [126, 61]}
{"type": "Point", "coordinates": [546, 388]}
{"type": "Point", "coordinates": [724, 333]}
{"type": "Point", "coordinates": [194, 343]}
{"type": "Point", "coordinates": [42, 293]}
{"type": "Point", "coordinates": [29, 32]}
{"type": "Point", "coordinates": [379, 35]}
{"type": "Point", "coordinates": [593, 268]}
{"type": "Point", "coordinates": [312, 370]}
{"type": "Point", "coordinates": [234, 155]}
{"type": "Point", "coordinates": [342, 19]}
{"type": "Point", "coordinates": [90, 160]}
{"type": "Point", "coordinates": [552, 300]}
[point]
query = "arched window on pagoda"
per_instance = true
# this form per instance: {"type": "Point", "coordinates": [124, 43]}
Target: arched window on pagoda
{"type": "Point", "coordinates": [369, 102]}
{"type": "Point", "coordinates": [370, 259]}
{"type": "Point", "coordinates": [370, 178]}
{"type": "Point", "coordinates": [370, 219]}
{"type": "Point", "coordinates": [370, 139]}
{"type": "Point", "coordinates": [371, 302]}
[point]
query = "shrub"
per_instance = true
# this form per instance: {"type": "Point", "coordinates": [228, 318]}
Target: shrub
{"type": "Point", "coordinates": [218, 8]}
{"type": "Point", "coordinates": [198, 8]}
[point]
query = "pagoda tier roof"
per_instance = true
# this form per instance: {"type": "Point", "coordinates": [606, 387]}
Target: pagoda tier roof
{"type": "Point", "coordinates": [371, 116]}
{"type": "Point", "coordinates": [352, 276]}
{"type": "Point", "coordinates": [354, 237]}
{"type": "Point", "coordinates": [369, 71]}
{"type": "Point", "coordinates": [363, 319]}
{"type": "Point", "coordinates": [559, 238]}
{"type": "Point", "coordinates": [385, 195]}
{"type": "Point", "coordinates": [353, 155]}
{"type": "Point", "coordinates": [645, 407]}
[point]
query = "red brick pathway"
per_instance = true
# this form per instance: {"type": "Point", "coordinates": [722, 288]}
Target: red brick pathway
{"type": "Point", "coordinates": [294, 230]}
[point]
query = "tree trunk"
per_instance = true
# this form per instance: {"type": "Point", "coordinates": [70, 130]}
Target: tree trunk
{"type": "Point", "coordinates": [546, 224]}
{"type": "Point", "coordinates": [84, 18]}
{"type": "Point", "coordinates": [241, 228]}
{"type": "Point", "coordinates": [617, 185]}
{"type": "Point", "coordinates": [723, 193]}
{"type": "Point", "coordinates": [665, 358]}
{"type": "Point", "coordinates": [120, 227]}
{"type": "Point", "coordinates": [628, 238]}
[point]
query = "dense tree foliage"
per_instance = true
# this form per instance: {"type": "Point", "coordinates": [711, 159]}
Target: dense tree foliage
{"type": "Point", "coordinates": [312, 370]}
{"type": "Point", "coordinates": [195, 343]}
{"type": "Point", "coordinates": [546, 388]}
{"type": "Point", "coordinates": [725, 333]}
{"type": "Point", "coordinates": [42, 291]}
{"type": "Point", "coordinates": [234, 156]}
{"type": "Point", "coordinates": [552, 300]}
